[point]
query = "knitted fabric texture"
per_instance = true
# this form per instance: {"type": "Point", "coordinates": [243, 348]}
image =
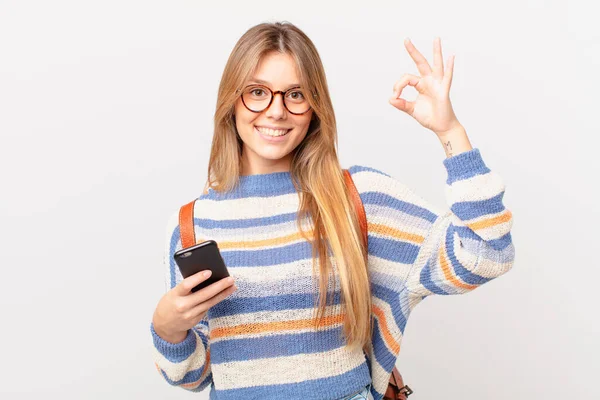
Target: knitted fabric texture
{"type": "Point", "coordinates": [260, 342]}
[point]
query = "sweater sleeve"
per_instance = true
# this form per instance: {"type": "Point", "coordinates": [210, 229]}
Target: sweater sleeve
{"type": "Point", "coordinates": [185, 364]}
{"type": "Point", "coordinates": [433, 251]}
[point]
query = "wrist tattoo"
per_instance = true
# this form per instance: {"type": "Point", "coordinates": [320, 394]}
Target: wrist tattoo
{"type": "Point", "coordinates": [449, 147]}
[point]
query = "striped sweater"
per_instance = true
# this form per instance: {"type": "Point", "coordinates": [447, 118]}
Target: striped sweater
{"type": "Point", "coordinates": [259, 342]}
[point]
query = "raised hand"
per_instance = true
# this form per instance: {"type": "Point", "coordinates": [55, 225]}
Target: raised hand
{"type": "Point", "coordinates": [432, 107]}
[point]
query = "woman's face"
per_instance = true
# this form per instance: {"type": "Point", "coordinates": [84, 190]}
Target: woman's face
{"type": "Point", "coordinates": [264, 150]}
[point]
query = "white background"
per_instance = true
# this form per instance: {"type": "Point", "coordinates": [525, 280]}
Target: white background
{"type": "Point", "coordinates": [106, 122]}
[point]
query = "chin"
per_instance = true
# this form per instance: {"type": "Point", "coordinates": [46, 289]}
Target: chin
{"type": "Point", "coordinates": [273, 156]}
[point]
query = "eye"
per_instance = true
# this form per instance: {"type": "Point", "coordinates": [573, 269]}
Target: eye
{"type": "Point", "coordinates": [296, 95]}
{"type": "Point", "coordinates": [257, 92]}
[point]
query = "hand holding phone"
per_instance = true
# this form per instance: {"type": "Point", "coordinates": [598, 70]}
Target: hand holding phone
{"type": "Point", "coordinates": [179, 310]}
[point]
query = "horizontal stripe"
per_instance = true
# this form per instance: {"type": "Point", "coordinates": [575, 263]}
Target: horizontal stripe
{"type": "Point", "coordinates": [383, 199]}
{"type": "Point", "coordinates": [273, 242]}
{"type": "Point", "coordinates": [274, 327]}
{"type": "Point", "coordinates": [269, 316]}
{"type": "Point", "coordinates": [478, 187]}
{"type": "Point", "coordinates": [276, 345]}
{"type": "Point", "coordinates": [397, 270]}
{"type": "Point", "coordinates": [192, 380]}
{"type": "Point", "coordinates": [355, 169]}
{"type": "Point", "coordinates": [257, 275]}
{"type": "Point", "coordinates": [501, 250]}
{"type": "Point", "coordinates": [490, 222]}
{"type": "Point", "coordinates": [231, 306]}
{"type": "Point", "coordinates": [495, 242]}
{"type": "Point", "coordinates": [389, 281]}
{"type": "Point", "coordinates": [220, 235]}
{"type": "Point", "coordinates": [467, 210]}
{"type": "Point", "coordinates": [336, 386]}
{"type": "Point", "coordinates": [397, 219]}
{"type": "Point", "coordinates": [491, 233]}
{"type": "Point", "coordinates": [393, 250]}
{"type": "Point", "coordinates": [251, 207]}
{"type": "Point", "coordinates": [395, 233]}
{"type": "Point", "coordinates": [368, 182]}
{"type": "Point", "coordinates": [501, 243]}
{"type": "Point", "coordinates": [291, 369]}
{"type": "Point", "coordinates": [464, 166]}
{"type": "Point", "coordinates": [205, 223]}
{"type": "Point", "coordinates": [277, 286]}
{"type": "Point", "coordinates": [273, 256]}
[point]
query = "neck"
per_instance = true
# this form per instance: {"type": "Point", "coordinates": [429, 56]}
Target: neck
{"type": "Point", "coordinates": [254, 166]}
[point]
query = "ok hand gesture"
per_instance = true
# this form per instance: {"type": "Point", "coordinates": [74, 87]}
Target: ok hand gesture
{"type": "Point", "coordinates": [432, 107]}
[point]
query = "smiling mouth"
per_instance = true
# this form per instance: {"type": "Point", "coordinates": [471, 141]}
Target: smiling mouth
{"type": "Point", "coordinates": [272, 132]}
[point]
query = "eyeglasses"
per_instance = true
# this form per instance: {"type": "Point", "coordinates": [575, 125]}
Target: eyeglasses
{"type": "Point", "coordinates": [258, 98]}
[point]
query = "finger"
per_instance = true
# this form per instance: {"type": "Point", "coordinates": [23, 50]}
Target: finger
{"type": "Point", "coordinates": [407, 79]}
{"type": "Point", "coordinates": [204, 306]}
{"type": "Point", "coordinates": [449, 73]}
{"type": "Point", "coordinates": [185, 286]}
{"type": "Point", "coordinates": [422, 64]}
{"type": "Point", "coordinates": [438, 63]}
{"type": "Point", "coordinates": [403, 105]}
{"type": "Point", "coordinates": [211, 290]}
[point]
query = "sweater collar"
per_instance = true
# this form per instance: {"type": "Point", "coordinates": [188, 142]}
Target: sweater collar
{"type": "Point", "coordinates": [259, 185]}
{"type": "Point", "coordinates": [249, 182]}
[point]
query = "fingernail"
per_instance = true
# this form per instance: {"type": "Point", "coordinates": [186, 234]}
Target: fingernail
{"type": "Point", "coordinates": [207, 273]}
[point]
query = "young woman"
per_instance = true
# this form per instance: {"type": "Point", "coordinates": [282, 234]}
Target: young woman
{"type": "Point", "coordinates": [310, 313]}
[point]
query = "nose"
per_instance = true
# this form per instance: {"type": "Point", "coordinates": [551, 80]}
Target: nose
{"type": "Point", "coordinates": [277, 109]}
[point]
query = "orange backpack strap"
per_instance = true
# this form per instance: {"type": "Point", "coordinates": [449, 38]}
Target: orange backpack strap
{"type": "Point", "coordinates": [358, 206]}
{"type": "Point", "coordinates": [186, 225]}
{"type": "Point", "coordinates": [186, 222]}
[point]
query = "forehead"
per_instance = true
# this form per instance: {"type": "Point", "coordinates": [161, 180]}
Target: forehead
{"type": "Point", "coordinates": [276, 69]}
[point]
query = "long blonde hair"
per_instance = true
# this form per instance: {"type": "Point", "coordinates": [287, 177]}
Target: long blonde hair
{"type": "Point", "coordinates": [315, 171]}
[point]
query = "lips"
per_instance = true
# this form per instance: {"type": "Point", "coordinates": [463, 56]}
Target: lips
{"type": "Point", "coordinates": [269, 138]}
{"type": "Point", "coordinates": [271, 128]}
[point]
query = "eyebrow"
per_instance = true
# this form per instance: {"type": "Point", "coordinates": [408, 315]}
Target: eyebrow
{"type": "Point", "coordinates": [268, 83]}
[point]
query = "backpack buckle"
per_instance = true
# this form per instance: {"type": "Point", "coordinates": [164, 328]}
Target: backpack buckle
{"type": "Point", "coordinates": [406, 390]}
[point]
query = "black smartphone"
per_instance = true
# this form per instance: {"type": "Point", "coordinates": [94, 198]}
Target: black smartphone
{"type": "Point", "coordinates": [202, 256]}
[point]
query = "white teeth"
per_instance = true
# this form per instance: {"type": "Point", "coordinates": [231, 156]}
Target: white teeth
{"type": "Point", "coordinates": [272, 132]}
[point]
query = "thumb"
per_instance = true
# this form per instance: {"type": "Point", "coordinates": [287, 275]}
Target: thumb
{"type": "Point", "coordinates": [402, 105]}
